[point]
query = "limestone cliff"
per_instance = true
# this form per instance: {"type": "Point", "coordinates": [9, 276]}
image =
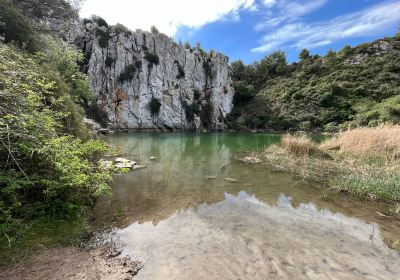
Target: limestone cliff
{"type": "Point", "coordinates": [147, 81]}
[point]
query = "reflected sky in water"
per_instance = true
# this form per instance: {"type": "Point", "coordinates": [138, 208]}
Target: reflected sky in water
{"type": "Point", "coordinates": [186, 221]}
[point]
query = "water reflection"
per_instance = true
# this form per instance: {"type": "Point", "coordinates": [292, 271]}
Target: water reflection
{"type": "Point", "coordinates": [187, 222]}
{"type": "Point", "coordinates": [242, 237]}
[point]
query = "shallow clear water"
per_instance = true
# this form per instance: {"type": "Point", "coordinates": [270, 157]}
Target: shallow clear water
{"type": "Point", "coordinates": [196, 213]}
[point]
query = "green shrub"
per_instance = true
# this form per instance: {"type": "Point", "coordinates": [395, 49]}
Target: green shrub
{"type": "Point", "coordinates": [48, 165]}
{"type": "Point", "coordinates": [207, 67]}
{"type": "Point", "coordinates": [121, 29]}
{"type": "Point", "coordinates": [191, 110]}
{"type": "Point", "coordinates": [15, 27]}
{"type": "Point", "coordinates": [315, 67]}
{"type": "Point", "coordinates": [243, 94]}
{"type": "Point", "coordinates": [101, 22]}
{"type": "Point", "coordinates": [196, 94]}
{"type": "Point", "coordinates": [206, 114]}
{"type": "Point", "coordinates": [109, 61]}
{"type": "Point", "coordinates": [152, 58]}
{"type": "Point", "coordinates": [103, 38]}
{"type": "Point", "coordinates": [304, 54]}
{"type": "Point", "coordinates": [181, 71]}
{"type": "Point", "coordinates": [127, 74]}
{"type": "Point", "coordinates": [154, 106]}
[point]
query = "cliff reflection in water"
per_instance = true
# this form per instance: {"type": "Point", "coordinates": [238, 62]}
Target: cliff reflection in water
{"type": "Point", "coordinates": [182, 205]}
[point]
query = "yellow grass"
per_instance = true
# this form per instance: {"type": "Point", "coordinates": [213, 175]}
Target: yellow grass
{"type": "Point", "coordinates": [301, 146]}
{"type": "Point", "coordinates": [378, 141]}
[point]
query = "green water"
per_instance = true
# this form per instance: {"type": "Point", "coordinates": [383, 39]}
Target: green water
{"type": "Point", "coordinates": [196, 213]}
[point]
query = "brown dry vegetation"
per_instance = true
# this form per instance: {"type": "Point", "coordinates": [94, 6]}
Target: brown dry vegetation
{"type": "Point", "coordinates": [381, 141]}
{"type": "Point", "coordinates": [362, 161]}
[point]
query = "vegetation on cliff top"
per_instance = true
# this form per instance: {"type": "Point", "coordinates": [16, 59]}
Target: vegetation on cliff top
{"type": "Point", "coordinates": [357, 86]}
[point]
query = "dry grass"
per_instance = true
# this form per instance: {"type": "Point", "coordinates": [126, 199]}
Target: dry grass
{"type": "Point", "coordinates": [301, 146]}
{"type": "Point", "coordinates": [346, 170]}
{"type": "Point", "coordinates": [379, 141]}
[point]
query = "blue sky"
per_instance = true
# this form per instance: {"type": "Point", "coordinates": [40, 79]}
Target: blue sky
{"type": "Point", "coordinates": [250, 29]}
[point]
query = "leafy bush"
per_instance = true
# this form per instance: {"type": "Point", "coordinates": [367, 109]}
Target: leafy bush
{"type": "Point", "coordinates": [119, 28]}
{"type": "Point", "coordinates": [206, 114]}
{"type": "Point", "coordinates": [127, 74]}
{"type": "Point", "coordinates": [154, 30]}
{"type": "Point", "coordinates": [103, 38]}
{"type": "Point", "coordinates": [319, 91]}
{"type": "Point", "coordinates": [207, 68]}
{"type": "Point", "coordinates": [304, 54]}
{"type": "Point", "coordinates": [100, 22]}
{"type": "Point", "coordinates": [196, 94]}
{"type": "Point", "coordinates": [109, 61]}
{"type": "Point", "coordinates": [152, 58]}
{"type": "Point", "coordinates": [154, 106]}
{"type": "Point", "coordinates": [191, 110]}
{"type": "Point", "coordinates": [181, 71]}
{"type": "Point", "coordinates": [48, 165]}
{"type": "Point", "coordinates": [15, 27]}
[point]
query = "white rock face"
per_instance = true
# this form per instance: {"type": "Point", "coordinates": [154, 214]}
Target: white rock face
{"type": "Point", "coordinates": [127, 102]}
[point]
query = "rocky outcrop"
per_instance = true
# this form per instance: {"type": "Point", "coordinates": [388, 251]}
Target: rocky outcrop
{"type": "Point", "coordinates": [147, 81]}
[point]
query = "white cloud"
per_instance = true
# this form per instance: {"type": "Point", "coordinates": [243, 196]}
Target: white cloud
{"type": "Point", "coordinates": [166, 15]}
{"type": "Point", "coordinates": [287, 11]}
{"type": "Point", "coordinates": [305, 35]}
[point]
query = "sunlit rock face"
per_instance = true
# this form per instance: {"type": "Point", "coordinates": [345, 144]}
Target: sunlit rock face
{"type": "Point", "coordinates": [127, 70]}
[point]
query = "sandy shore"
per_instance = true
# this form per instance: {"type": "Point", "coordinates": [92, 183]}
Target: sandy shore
{"type": "Point", "coordinates": [73, 263]}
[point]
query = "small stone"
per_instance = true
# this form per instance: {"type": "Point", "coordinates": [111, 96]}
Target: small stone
{"type": "Point", "coordinates": [136, 167]}
{"type": "Point", "coordinates": [153, 158]}
{"type": "Point", "coordinates": [121, 160]}
{"type": "Point", "coordinates": [211, 177]}
{"type": "Point", "coordinates": [121, 165]}
{"type": "Point", "coordinates": [231, 180]}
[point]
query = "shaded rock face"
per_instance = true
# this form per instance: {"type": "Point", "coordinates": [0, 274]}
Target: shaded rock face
{"type": "Point", "coordinates": [127, 70]}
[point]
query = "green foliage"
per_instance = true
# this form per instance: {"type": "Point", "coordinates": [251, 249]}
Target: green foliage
{"type": "Point", "coordinates": [304, 54]}
{"type": "Point", "coordinates": [273, 64]}
{"type": "Point", "coordinates": [207, 68]}
{"type": "Point", "coordinates": [206, 113]}
{"type": "Point", "coordinates": [50, 9]}
{"type": "Point", "coordinates": [243, 94]}
{"type": "Point", "coordinates": [15, 27]}
{"type": "Point", "coordinates": [345, 51]}
{"type": "Point", "coordinates": [154, 106]}
{"type": "Point", "coordinates": [121, 29]}
{"type": "Point", "coordinates": [48, 165]}
{"type": "Point", "coordinates": [109, 61]}
{"type": "Point", "coordinates": [152, 58]}
{"type": "Point", "coordinates": [196, 94]}
{"type": "Point", "coordinates": [191, 110]}
{"type": "Point", "coordinates": [127, 74]}
{"type": "Point", "coordinates": [100, 21]}
{"type": "Point", "coordinates": [181, 71]}
{"type": "Point", "coordinates": [103, 38]}
{"type": "Point", "coordinates": [320, 93]}
{"type": "Point", "coordinates": [154, 30]}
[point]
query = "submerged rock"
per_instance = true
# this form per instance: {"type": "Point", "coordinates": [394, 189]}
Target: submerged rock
{"type": "Point", "coordinates": [231, 180]}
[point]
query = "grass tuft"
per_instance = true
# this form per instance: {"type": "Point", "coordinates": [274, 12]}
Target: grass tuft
{"type": "Point", "coordinates": [383, 141]}
{"type": "Point", "coordinates": [362, 161]}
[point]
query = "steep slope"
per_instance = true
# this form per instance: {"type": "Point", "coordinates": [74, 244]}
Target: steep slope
{"type": "Point", "coordinates": [357, 86]}
{"type": "Point", "coordinates": [147, 81]}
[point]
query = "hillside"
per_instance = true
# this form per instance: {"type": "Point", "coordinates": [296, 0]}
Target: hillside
{"type": "Point", "coordinates": [357, 86]}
